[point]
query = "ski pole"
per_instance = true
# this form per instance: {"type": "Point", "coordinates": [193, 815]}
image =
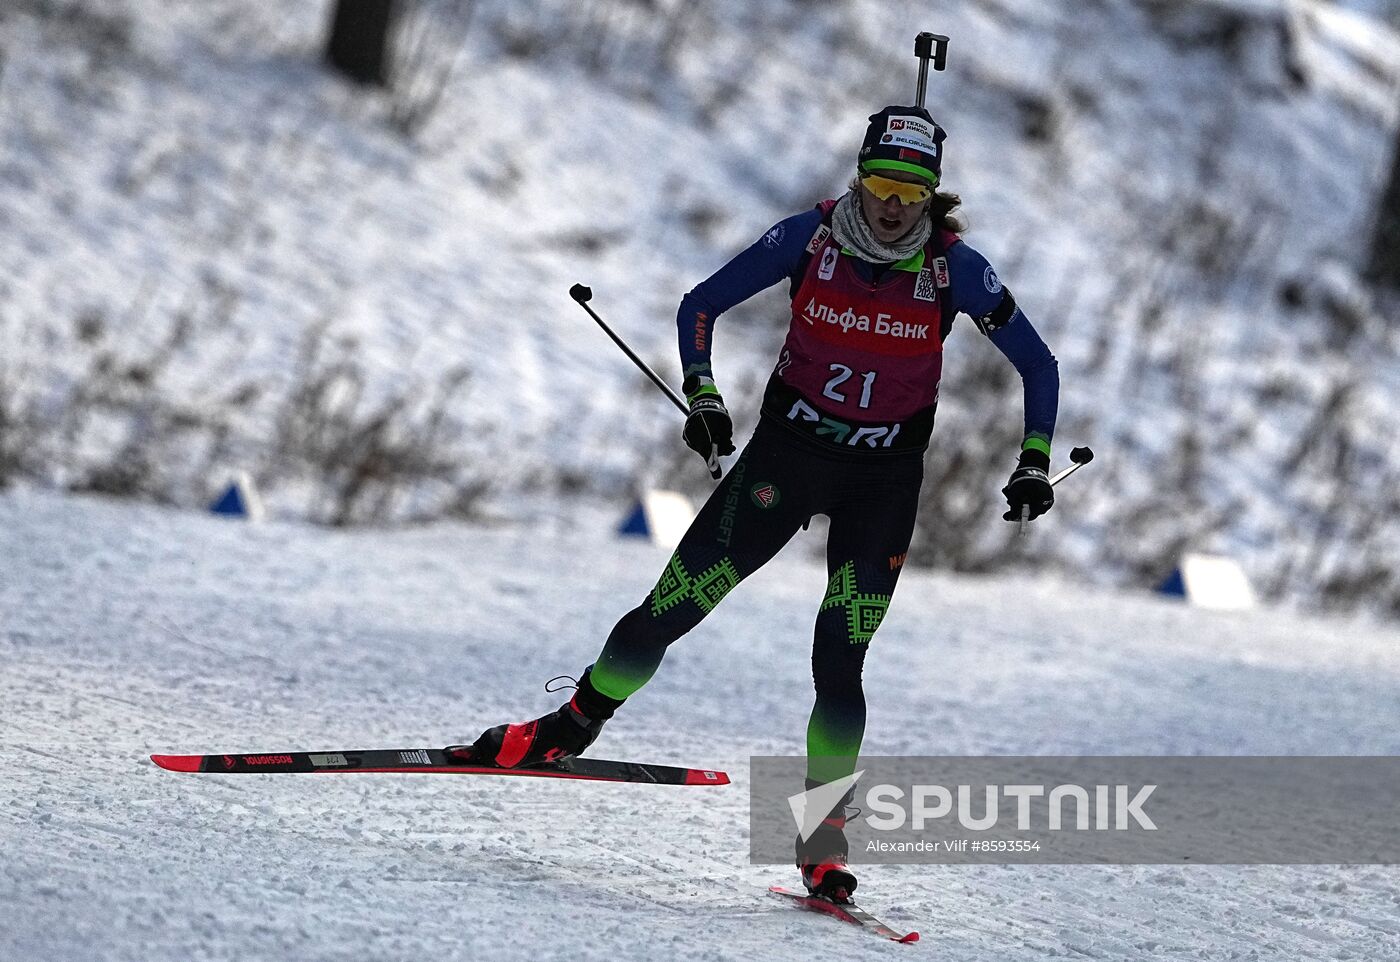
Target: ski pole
{"type": "Point", "coordinates": [928, 46]}
{"type": "Point", "coordinates": [583, 295]}
{"type": "Point", "coordinates": [1080, 456]}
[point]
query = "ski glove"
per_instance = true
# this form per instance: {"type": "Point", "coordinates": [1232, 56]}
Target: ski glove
{"type": "Point", "coordinates": [1029, 486]}
{"type": "Point", "coordinates": [708, 429]}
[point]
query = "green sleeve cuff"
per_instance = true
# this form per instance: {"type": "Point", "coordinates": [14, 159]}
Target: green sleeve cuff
{"type": "Point", "coordinates": [1036, 443]}
{"type": "Point", "coordinates": [698, 386]}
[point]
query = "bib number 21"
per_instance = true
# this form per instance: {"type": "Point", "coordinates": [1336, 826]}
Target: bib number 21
{"type": "Point", "coordinates": [843, 374]}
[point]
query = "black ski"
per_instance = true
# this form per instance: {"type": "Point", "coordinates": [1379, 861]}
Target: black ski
{"type": "Point", "coordinates": [846, 912]}
{"type": "Point", "coordinates": [431, 761]}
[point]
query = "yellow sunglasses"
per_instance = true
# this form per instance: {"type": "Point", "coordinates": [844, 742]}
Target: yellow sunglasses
{"type": "Point", "coordinates": [884, 188]}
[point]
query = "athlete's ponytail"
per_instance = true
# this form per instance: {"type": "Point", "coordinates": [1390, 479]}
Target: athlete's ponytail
{"type": "Point", "coordinates": [942, 207]}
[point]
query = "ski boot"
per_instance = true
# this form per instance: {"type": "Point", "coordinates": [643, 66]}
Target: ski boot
{"type": "Point", "coordinates": [562, 733]}
{"type": "Point", "coordinates": [822, 857]}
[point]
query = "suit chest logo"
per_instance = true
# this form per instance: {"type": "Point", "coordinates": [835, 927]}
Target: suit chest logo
{"type": "Point", "coordinates": [930, 279]}
{"type": "Point", "coordinates": [924, 287]}
{"type": "Point", "coordinates": [848, 320]}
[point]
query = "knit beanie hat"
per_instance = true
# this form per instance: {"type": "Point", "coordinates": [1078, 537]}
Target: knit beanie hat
{"type": "Point", "coordinates": [903, 138]}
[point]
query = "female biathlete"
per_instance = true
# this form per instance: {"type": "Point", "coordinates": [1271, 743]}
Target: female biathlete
{"type": "Point", "coordinates": [876, 279]}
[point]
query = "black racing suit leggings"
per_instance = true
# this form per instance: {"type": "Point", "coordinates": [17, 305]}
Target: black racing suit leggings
{"type": "Point", "coordinates": [779, 481]}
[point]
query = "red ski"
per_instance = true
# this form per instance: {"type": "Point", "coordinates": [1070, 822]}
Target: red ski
{"type": "Point", "coordinates": [846, 912]}
{"type": "Point", "coordinates": [417, 761]}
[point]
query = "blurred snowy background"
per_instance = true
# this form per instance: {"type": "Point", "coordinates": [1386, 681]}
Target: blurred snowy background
{"type": "Point", "coordinates": [218, 254]}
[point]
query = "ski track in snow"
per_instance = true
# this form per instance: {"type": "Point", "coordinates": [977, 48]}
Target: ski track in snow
{"type": "Point", "coordinates": [129, 630]}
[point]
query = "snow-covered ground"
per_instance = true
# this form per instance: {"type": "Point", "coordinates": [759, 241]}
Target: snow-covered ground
{"type": "Point", "coordinates": [1179, 194]}
{"type": "Point", "coordinates": [130, 630]}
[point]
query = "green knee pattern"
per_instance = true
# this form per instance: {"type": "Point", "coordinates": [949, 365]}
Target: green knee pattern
{"type": "Point", "coordinates": [864, 609]}
{"type": "Point", "coordinates": [706, 590]}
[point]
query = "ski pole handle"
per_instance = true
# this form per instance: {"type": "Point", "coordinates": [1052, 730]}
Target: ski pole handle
{"type": "Point", "coordinates": [1080, 456]}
